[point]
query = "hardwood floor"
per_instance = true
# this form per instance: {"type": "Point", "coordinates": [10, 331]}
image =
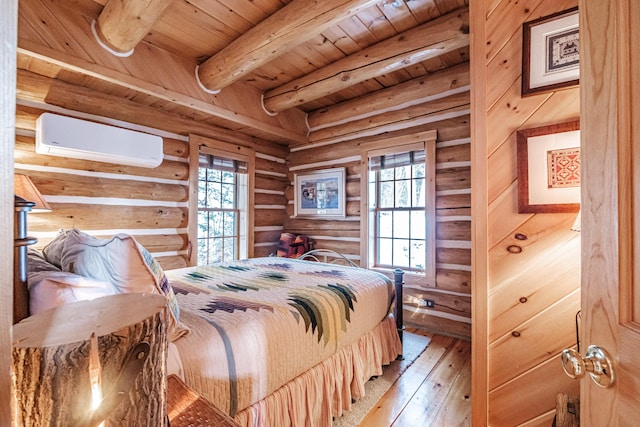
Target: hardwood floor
{"type": "Point", "coordinates": [434, 391]}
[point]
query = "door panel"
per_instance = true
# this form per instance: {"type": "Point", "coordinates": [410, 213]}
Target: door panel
{"type": "Point", "coordinates": [610, 66]}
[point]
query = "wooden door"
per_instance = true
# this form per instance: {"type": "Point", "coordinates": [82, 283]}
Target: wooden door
{"type": "Point", "coordinates": [610, 123]}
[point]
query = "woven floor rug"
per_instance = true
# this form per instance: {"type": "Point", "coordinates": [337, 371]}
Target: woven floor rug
{"type": "Point", "coordinates": [413, 346]}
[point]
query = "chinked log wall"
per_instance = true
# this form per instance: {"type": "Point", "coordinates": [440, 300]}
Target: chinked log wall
{"type": "Point", "coordinates": [150, 204]}
{"type": "Point", "coordinates": [451, 292]}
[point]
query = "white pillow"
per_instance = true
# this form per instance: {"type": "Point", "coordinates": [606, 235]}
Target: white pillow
{"type": "Point", "coordinates": [49, 289]}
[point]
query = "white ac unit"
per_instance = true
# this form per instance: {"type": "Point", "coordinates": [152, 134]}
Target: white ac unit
{"type": "Point", "coordinates": [80, 139]}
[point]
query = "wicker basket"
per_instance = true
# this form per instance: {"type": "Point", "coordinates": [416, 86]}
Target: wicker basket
{"type": "Point", "coordinates": [186, 408]}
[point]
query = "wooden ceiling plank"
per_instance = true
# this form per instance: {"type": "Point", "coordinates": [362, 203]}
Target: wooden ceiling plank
{"type": "Point", "coordinates": [289, 26]}
{"type": "Point", "coordinates": [412, 92]}
{"type": "Point", "coordinates": [123, 24]}
{"type": "Point", "coordinates": [434, 38]}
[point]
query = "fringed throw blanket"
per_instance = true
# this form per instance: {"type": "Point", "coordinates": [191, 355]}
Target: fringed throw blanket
{"type": "Point", "coordinates": [257, 324]}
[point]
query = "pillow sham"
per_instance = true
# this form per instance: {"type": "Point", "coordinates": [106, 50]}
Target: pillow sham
{"type": "Point", "coordinates": [49, 289]}
{"type": "Point", "coordinates": [121, 261]}
{"type": "Point", "coordinates": [37, 262]}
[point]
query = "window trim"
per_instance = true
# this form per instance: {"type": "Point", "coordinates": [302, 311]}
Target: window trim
{"type": "Point", "coordinates": [423, 140]}
{"type": "Point", "coordinates": [200, 144]}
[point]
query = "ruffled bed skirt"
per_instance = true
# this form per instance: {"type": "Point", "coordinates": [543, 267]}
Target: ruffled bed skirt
{"type": "Point", "coordinates": [328, 389]}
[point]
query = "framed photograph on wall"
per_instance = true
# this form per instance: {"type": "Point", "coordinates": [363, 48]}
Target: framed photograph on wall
{"type": "Point", "coordinates": [550, 57]}
{"type": "Point", "coordinates": [549, 168]}
{"type": "Point", "coordinates": [320, 193]}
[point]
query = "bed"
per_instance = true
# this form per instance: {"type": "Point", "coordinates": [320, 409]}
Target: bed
{"type": "Point", "coordinates": [278, 342]}
{"type": "Point", "coordinates": [269, 341]}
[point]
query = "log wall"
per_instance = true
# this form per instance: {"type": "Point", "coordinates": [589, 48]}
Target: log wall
{"type": "Point", "coordinates": [532, 296]}
{"type": "Point", "coordinates": [451, 290]}
{"type": "Point", "coordinates": [103, 199]}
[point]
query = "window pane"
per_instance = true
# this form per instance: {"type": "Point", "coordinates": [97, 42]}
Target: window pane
{"type": "Point", "coordinates": [418, 196]}
{"type": "Point", "coordinates": [215, 224]}
{"type": "Point", "coordinates": [372, 176]}
{"type": "Point", "coordinates": [228, 177]}
{"type": "Point", "coordinates": [418, 225]}
{"type": "Point", "coordinates": [229, 248]}
{"type": "Point", "coordinates": [385, 224]}
{"type": "Point", "coordinates": [418, 170]}
{"type": "Point", "coordinates": [202, 194]}
{"type": "Point", "coordinates": [403, 172]}
{"type": "Point", "coordinates": [229, 224]}
{"type": "Point", "coordinates": [215, 250]}
{"type": "Point", "coordinates": [418, 255]}
{"type": "Point", "coordinates": [401, 224]}
{"type": "Point", "coordinates": [386, 174]}
{"type": "Point", "coordinates": [202, 251]}
{"type": "Point", "coordinates": [403, 199]}
{"type": "Point", "coordinates": [385, 251]}
{"type": "Point", "coordinates": [203, 224]}
{"type": "Point", "coordinates": [202, 174]}
{"type": "Point", "coordinates": [228, 196]}
{"type": "Point", "coordinates": [401, 252]}
{"type": "Point", "coordinates": [213, 195]}
{"type": "Point", "coordinates": [386, 194]}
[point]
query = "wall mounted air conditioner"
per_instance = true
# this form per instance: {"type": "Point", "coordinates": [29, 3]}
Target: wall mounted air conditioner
{"type": "Point", "coordinates": [80, 139]}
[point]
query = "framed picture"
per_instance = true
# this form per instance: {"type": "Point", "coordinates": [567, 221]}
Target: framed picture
{"type": "Point", "coordinates": [320, 193]}
{"type": "Point", "coordinates": [549, 168]}
{"type": "Point", "coordinates": [550, 57]}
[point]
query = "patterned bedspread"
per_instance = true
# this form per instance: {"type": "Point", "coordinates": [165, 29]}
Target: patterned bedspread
{"type": "Point", "coordinates": [258, 323]}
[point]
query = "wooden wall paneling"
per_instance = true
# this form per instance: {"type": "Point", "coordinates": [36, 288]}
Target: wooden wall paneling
{"type": "Point", "coordinates": [453, 280]}
{"type": "Point", "coordinates": [530, 292]}
{"type": "Point", "coordinates": [453, 178]}
{"type": "Point", "coordinates": [453, 153]}
{"type": "Point", "coordinates": [91, 186]}
{"type": "Point", "coordinates": [99, 217]}
{"type": "Point", "coordinates": [8, 36]}
{"type": "Point", "coordinates": [479, 209]}
{"type": "Point", "coordinates": [25, 154]}
{"type": "Point", "coordinates": [444, 302]}
{"type": "Point", "coordinates": [533, 393]}
{"type": "Point", "coordinates": [545, 334]}
{"type": "Point", "coordinates": [536, 236]}
{"type": "Point", "coordinates": [453, 230]}
{"type": "Point", "coordinates": [430, 321]}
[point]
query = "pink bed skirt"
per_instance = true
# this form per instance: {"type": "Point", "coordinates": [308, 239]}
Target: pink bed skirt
{"type": "Point", "coordinates": [327, 390]}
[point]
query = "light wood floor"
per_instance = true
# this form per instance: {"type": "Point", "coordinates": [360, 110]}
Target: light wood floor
{"type": "Point", "coordinates": [434, 391]}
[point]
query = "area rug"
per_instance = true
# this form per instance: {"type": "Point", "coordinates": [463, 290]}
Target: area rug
{"type": "Point", "coordinates": [413, 346]}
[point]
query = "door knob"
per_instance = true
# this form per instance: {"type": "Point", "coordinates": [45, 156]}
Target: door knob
{"type": "Point", "coordinates": [596, 362]}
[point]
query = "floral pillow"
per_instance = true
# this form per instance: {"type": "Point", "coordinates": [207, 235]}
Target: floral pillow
{"type": "Point", "coordinates": [120, 261]}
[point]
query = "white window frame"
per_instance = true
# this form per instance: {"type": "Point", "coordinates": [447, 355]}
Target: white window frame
{"type": "Point", "coordinates": [199, 144]}
{"type": "Point", "coordinates": [423, 141]}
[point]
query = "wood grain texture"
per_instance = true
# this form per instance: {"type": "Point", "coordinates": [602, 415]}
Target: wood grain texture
{"type": "Point", "coordinates": [8, 35]}
{"type": "Point", "coordinates": [51, 361]}
{"type": "Point", "coordinates": [500, 111]}
{"type": "Point", "coordinates": [443, 34]}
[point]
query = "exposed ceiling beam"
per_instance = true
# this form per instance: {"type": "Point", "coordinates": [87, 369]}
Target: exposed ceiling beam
{"type": "Point", "coordinates": [122, 24]}
{"type": "Point", "coordinates": [290, 26]}
{"type": "Point", "coordinates": [422, 89]}
{"type": "Point", "coordinates": [427, 41]}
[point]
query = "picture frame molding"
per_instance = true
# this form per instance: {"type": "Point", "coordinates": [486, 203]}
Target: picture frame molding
{"type": "Point", "coordinates": [339, 174]}
{"type": "Point", "coordinates": [527, 73]}
{"type": "Point", "coordinates": [524, 172]}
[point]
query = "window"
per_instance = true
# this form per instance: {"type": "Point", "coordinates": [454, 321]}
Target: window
{"type": "Point", "coordinates": [222, 202]}
{"type": "Point", "coordinates": [401, 211]}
